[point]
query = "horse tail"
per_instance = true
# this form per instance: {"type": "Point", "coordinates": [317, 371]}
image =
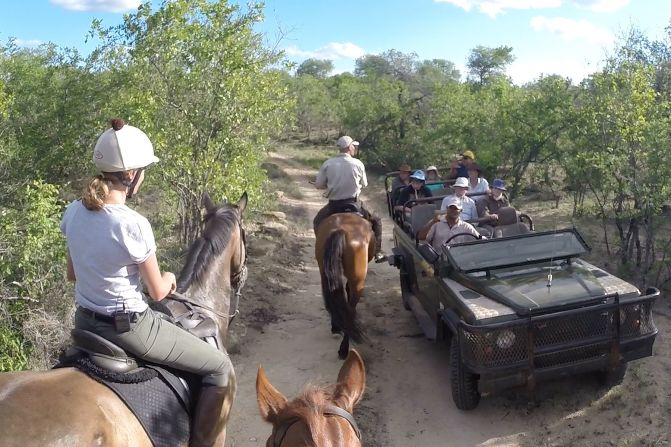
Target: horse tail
{"type": "Point", "coordinates": [334, 287]}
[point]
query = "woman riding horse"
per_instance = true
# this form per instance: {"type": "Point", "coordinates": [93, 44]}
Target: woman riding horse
{"type": "Point", "coordinates": [110, 247]}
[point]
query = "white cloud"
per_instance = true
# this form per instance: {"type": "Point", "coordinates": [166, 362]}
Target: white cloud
{"type": "Point", "coordinates": [523, 71]}
{"type": "Point", "coordinates": [601, 5]}
{"type": "Point", "coordinates": [332, 51]}
{"type": "Point", "coordinates": [569, 29]}
{"type": "Point", "coordinates": [494, 7]}
{"type": "Point", "coordinates": [98, 5]}
{"type": "Point", "coordinates": [31, 43]}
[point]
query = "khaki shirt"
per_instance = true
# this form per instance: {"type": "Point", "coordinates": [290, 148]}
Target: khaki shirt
{"type": "Point", "coordinates": [441, 231]}
{"type": "Point", "coordinates": [342, 176]}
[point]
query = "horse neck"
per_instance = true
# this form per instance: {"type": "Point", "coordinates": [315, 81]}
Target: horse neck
{"type": "Point", "coordinates": [214, 290]}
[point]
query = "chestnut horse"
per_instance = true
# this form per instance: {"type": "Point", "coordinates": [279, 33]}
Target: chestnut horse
{"type": "Point", "coordinates": [65, 407]}
{"type": "Point", "coordinates": [320, 416]}
{"type": "Point", "coordinates": [344, 246]}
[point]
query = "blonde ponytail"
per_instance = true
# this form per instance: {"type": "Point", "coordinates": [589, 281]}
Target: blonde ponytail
{"type": "Point", "coordinates": [95, 192]}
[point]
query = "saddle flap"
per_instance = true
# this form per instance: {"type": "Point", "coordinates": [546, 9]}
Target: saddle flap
{"type": "Point", "coordinates": [95, 344]}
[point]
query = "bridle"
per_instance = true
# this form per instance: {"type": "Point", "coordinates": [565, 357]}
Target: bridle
{"type": "Point", "coordinates": [329, 410]}
{"type": "Point", "coordinates": [239, 278]}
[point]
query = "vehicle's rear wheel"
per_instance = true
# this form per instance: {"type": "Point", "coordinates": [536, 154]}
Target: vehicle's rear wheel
{"type": "Point", "coordinates": [464, 383]}
{"type": "Point", "coordinates": [612, 377]}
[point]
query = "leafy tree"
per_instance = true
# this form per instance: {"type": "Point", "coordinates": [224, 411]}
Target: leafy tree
{"type": "Point", "coordinates": [203, 87]}
{"type": "Point", "coordinates": [317, 68]}
{"type": "Point", "coordinates": [486, 63]}
{"type": "Point", "coordinates": [314, 108]}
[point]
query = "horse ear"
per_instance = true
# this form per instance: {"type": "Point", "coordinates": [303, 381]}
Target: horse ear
{"type": "Point", "coordinates": [270, 400]}
{"type": "Point", "coordinates": [242, 203]}
{"type": "Point", "coordinates": [207, 202]}
{"type": "Point", "coordinates": [351, 381]}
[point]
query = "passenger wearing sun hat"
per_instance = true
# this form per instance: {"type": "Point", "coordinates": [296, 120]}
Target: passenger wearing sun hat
{"type": "Point", "coordinates": [400, 181]}
{"type": "Point", "coordinates": [470, 212]}
{"type": "Point", "coordinates": [459, 167]}
{"type": "Point", "coordinates": [488, 207]}
{"type": "Point", "coordinates": [432, 177]}
{"type": "Point", "coordinates": [449, 225]}
{"type": "Point", "coordinates": [416, 190]}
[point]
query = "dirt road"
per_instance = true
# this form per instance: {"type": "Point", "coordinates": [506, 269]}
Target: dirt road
{"type": "Point", "coordinates": [284, 327]}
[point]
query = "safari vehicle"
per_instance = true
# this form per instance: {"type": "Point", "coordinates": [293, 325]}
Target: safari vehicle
{"type": "Point", "coordinates": [519, 308]}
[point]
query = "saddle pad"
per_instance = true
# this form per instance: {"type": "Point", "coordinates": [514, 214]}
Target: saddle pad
{"type": "Point", "coordinates": [158, 409]}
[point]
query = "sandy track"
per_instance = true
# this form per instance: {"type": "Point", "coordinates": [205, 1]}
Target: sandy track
{"type": "Point", "coordinates": [284, 327]}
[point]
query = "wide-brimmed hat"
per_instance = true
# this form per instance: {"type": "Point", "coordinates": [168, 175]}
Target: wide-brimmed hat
{"type": "Point", "coordinates": [499, 184]}
{"type": "Point", "coordinates": [405, 168]}
{"type": "Point", "coordinates": [469, 153]}
{"type": "Point", "coordinates": [418, 175]}
{"type": "Point", "coordinates": [432, 168]}
{"type": "Point", "coordinates": [461, 181]}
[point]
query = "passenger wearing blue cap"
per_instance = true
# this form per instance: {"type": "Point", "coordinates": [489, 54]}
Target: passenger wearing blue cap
{"type": "Point", "coordinates": [415, 190]}
{"type": "Point", "coordinates": [488, 207]}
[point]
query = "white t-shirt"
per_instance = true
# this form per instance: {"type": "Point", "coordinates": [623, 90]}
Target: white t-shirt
{"type": "Point", "coordinates": [441, 231]}
{"type": "Point", "coordinates": [342, 176]}
{"type": "Point", "coordinates": [106, 247]}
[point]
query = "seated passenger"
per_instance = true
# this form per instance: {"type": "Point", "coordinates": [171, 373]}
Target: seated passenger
{"type": "Point", "coordinates": [432, 176]}
{"type": "Point", "coordinates": [416, 190]}
{"type": "Point", "coordinates": [400, 182]}
{"type": "Point", "coordinates": [450, 224]}
{"type": "Point", "coordinates": [469, 212]}
{"type": "Point", "coordinates": [460, 166]}
{"type": "Point", "coordinates": [489, 206]}
{"type": "Point", "coordinates": [476, 183]}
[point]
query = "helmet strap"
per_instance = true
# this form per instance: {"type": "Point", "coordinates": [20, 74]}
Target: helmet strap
{"type": "Point", "coordinates": [131, 186]}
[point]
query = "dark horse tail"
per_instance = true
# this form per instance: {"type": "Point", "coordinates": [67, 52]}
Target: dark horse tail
{"type": "Point", "coordinates": [334, 288]}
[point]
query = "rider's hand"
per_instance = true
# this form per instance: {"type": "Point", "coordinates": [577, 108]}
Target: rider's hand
{"type": "Point", "coordinates": [169, 277]}
{"type": "Point", "coordinates": [494, 216]}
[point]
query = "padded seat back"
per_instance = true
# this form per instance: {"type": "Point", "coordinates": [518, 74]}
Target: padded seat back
{"type": "Point", "coordinates": [420, 215]}
{"type": "Point", "coordinates": [509, 223]}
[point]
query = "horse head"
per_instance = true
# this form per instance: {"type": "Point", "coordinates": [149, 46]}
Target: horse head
{"type": "Point", "coordinates": [215, 268]}
{"type": "Point", "coordinates": [320, 416]}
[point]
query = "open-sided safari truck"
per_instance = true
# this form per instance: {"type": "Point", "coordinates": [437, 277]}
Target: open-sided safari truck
{"type": "Point", "coordinates": [521, 308]}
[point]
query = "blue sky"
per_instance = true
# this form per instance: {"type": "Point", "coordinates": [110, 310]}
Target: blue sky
{"type": "Point", "coordinates": [567, 37]}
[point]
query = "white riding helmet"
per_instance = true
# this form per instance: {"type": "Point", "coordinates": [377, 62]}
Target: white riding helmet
{"type": "Point", "coordinates": [122, 148]}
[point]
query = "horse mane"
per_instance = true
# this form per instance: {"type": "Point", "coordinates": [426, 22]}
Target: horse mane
{"type": "Point", "coordinates": [219, 224]}
{"type": "Point", "coordinates": [308, 408]}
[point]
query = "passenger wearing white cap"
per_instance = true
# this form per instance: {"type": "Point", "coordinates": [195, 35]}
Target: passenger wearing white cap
{"type": "Point", "coordinates": [449, 225]}
{"type": "Point", "coordinates": [343, 177]}
{"type": "Point", "coordinates": [110, 247]}
{"type": "Point", "coordinates": [469, 211]}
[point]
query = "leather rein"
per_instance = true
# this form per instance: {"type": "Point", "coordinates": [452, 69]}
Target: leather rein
{"type": "Point", "coordinates": [329, 410]}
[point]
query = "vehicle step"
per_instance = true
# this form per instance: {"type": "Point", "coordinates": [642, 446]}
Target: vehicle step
{"type": "Point", "coordinates": [425, 322]}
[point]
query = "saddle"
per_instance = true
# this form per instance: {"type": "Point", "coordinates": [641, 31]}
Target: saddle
{"type": "Point", "coordinates": [345, 207]}
{"type": "Point", "coordinates": [108, 356]}
{"type": "Point", "coordinates": [147, 389]}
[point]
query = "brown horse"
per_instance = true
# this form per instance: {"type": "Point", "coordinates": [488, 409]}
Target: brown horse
{"type": "Point", "coordinates": [344, 246]}
{"type": "Point", "coordinates": [65, 407]}
{"type": "Point", "coordinates": [320, 416]}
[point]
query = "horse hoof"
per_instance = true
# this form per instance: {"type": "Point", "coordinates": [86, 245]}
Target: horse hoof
{"type": "Point", "coordinates": [335, 330]}
{"type": "Point", "coordinates": [342, 355]}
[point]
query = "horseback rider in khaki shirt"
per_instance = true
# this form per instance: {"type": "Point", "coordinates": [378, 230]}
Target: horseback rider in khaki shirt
{"type": "Point", "coordinates": [342, 177]}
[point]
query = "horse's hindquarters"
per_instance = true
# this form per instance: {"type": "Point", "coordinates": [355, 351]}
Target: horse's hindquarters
{"type": "Point", "coordinates": [64, 407]}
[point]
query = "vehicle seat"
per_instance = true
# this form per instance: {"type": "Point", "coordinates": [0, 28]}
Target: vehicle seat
{"type": "Point", "coordinates": [420, 215]}
{"type": "Point", "coordinates": [442, 192]}
{"type": "Point", "coordinates": [509, 223]}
